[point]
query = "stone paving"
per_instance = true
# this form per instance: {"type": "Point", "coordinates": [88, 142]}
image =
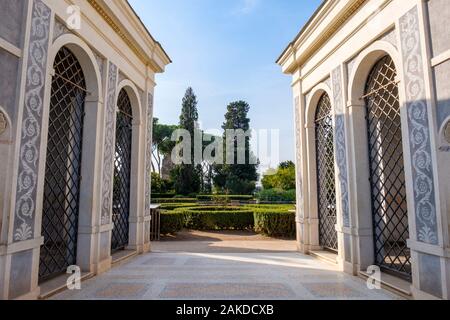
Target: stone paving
{"type": "Point", "coordinates": [173, 272]}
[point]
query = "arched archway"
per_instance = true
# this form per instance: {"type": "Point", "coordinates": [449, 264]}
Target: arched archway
{"type": "Point", "coordinates": [319, 96]}
{"type": "Point", "coordinates": [90, 155]}
{"type": "Point", "coordinates": [363, 66]}
{"type": "Point", "coordinates": [122, 173]}
{"type": "Point", "coordinates": [61, 199]}
{"type": "Point", "coordinates": [386, 169]}
{"type": "Point", "coordinates": [326, 178]}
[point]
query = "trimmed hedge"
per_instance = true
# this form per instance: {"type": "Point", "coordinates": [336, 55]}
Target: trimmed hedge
{"type": "Point", "coordinates": [271, 220]}
{"type": "Point", "coordinates": [276, 195]}
{"type": "Point", "coordinates": [174, 200]}
{"type": "Point", "coordinates": [282, 207]}
{"type": "Point", "coordinates": [217, 218]}
{"type": "Point", "coordinates": [171, 222]}
{"type": "Point", "coordinates": [221, 198]}
{"type": "Point", "coordinates": [173, 206]}
{"type": "Point", "coordinates": [275, 223]}
{"type": "Point", "coordinates": [181, 196]}
{"type": "Point", "coordinates": [163, 195]}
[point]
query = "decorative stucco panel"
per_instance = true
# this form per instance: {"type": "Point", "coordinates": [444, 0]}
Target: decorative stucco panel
{"type": "Point", "coordinates": [419, 131]}
{"type": "Point", "coordinates": [341, 148]}
{"type": "Point", "coordinates": [350, 67]}
{"type": "Point", "coordinates": [298, 157]}
{"type": "Point", "coordinates": [148, 161]}
{"type": "Point", "coordinates": [108, 157]}
{"type": "Point", "coordinates": [29, 158]}
{"type": "Point", "coordinates": [391, 38]}
{"type": "Point", "coordinates": [59, 29]}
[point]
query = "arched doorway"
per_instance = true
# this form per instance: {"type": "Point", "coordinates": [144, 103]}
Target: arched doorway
{"type": "Point", "coordinates": [387, 175]}
{"type": "Point", "coordinates": [63, 167]}
{"type": "Point", "coordinates": [326, 182]}
{"type": "Point", "coordinates": [122, 173]}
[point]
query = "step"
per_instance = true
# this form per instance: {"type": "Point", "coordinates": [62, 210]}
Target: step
{"type": "Point", "coordinates": [393, 284]}
{"type": "Point", "coordinates": [58, 285]}
{"type": "Point", "coordinates": [121, 257]}
{"type": "Point", "coordinates": [326, 256]}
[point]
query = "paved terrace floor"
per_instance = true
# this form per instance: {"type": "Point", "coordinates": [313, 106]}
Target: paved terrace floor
{"type": "Point", "coordinates": [225, 266]}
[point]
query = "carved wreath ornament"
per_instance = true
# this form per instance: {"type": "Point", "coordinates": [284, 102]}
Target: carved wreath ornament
{"type": "Point", "coordinates": [447, 132]}
{"type": "Point", "coordinates": [3, 123]}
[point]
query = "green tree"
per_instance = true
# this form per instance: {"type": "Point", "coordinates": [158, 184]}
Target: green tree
{"type": "Point", "coordinates": [162, 144]}
{"type": "Point", "coordinates": [237, 178]}
{"type": "Point", "coordinates": [186, 176]}
{"type": "Point", "coordinates": [269, 179]}
{"type": "Point", "coordinates": [287, 165]}
{"type": "Point", "coordinates": [157, 183]}
{"type": "Point", "coordinates": [283, 178]}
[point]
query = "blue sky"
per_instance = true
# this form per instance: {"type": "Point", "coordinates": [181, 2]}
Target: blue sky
{"type": "Point", "coordinates": [226, 50]}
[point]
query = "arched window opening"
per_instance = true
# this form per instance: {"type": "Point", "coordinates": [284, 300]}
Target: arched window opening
{"type": "Point", "coordinates": [122, 173]}
{"type": "Point", "coordinates": [63, 167]}
{"type": "Point", "coordinates": [387, 176]}
{"type": "Point", "coordinates": [326, 183]}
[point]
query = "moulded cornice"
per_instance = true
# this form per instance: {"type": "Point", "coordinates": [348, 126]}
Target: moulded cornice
{"type": "Point", "coordinates": [155, 47]}
{"type": "Point", "coordinates": [297, 52]}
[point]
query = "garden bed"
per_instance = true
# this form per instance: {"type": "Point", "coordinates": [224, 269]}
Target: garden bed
{"type": "Point", "coordinates": [271, 220]}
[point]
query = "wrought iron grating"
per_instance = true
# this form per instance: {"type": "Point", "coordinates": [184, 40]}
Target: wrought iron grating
{"type": "Point", "coordinates": [326, 175]}
{"type": "Point", "coordinates": [122, 173]}
{"type": "Point", "coordinates": [63, 167]}
{"type": "Point", "coordinates": [387, 177]}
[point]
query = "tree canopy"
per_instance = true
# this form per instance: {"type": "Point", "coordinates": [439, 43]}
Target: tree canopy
{"type": "Point", "coordinates": [282, 178]}
{"type": "Point", "coordinates": [162, 144]}
{"type": "Point", "coordinates": [237, 178]}
{"type": "Point", "coordinates": [186, 176]}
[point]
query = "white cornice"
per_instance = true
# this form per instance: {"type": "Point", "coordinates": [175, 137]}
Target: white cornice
{"type": "Point", "coordinates": [124, 21]}
{"type": "Point", "coordinates": [326, 21]}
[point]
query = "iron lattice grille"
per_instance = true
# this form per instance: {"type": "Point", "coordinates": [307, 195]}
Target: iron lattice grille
{"type": "Point", "coordinates": [387, 177]}
{"type": "Point", "coordinates": [326, 183]}
{"type": "Point", "coordinates": [122, 173]}
{"type": "Point", "coordinates": [63, 167]}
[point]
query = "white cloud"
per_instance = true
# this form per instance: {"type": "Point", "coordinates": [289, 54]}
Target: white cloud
{"type": "Point", "coordinates": [246, 7]}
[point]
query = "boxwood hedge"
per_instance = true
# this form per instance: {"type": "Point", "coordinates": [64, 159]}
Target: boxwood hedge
{"type": "Point", "coordinates": [173, 206]}
{"type": "Point", "coordinates": [275, 223]}
{"type": "Point", "coordinates": [171, 222]}
{"type": "Point", "coordinates": [221, 198]}
{"type": "Point", "coordinates": [276, 195]}
{"type": "Point", "coordinates": [163, 195]}
{"type": "Point", "coordinates": [174, 200]}
{"type": "Point", "coordinates": [217, 218]}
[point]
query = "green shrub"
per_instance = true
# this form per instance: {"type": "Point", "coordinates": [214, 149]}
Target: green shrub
{"type": "Point", "coordinates": [171, 222]}
{"type": "Point", "coordinates": [275, 223]}
{"type": "Point", "coordinates": [271, 220]}
{"type": "Point", "coordinates": [283, 207]}
{"type": "Point", "coordinates": [163, 195]}
{"type": "Point", "coordinates": [204, 197]}
{"type": "Point", "coordinates": [216, 208]}
{"type": "Point", "coordinates": [174, 200]}
{"type": "Point", "coordinates": [221, 198]}
{"type": "Point", "coordinates": [276, 195]}
{"type": "Point", "coordinates": [173, 206]}
{"type": "Point", "coordinates": [180, 196]}
{"type": "Point", "coordinates": [217, 218]}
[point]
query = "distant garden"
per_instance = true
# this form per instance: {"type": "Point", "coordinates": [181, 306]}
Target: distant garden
{"type": "Point", "coordinates": [208, 195]}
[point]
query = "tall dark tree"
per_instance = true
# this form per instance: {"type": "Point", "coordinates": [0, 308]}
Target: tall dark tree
{"type": "Point", "coordinates": [187, 175]}
{"type": "Point", "coordinates": [237, 178]}
{"type": "Point", "coordinates": [162, 144]}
